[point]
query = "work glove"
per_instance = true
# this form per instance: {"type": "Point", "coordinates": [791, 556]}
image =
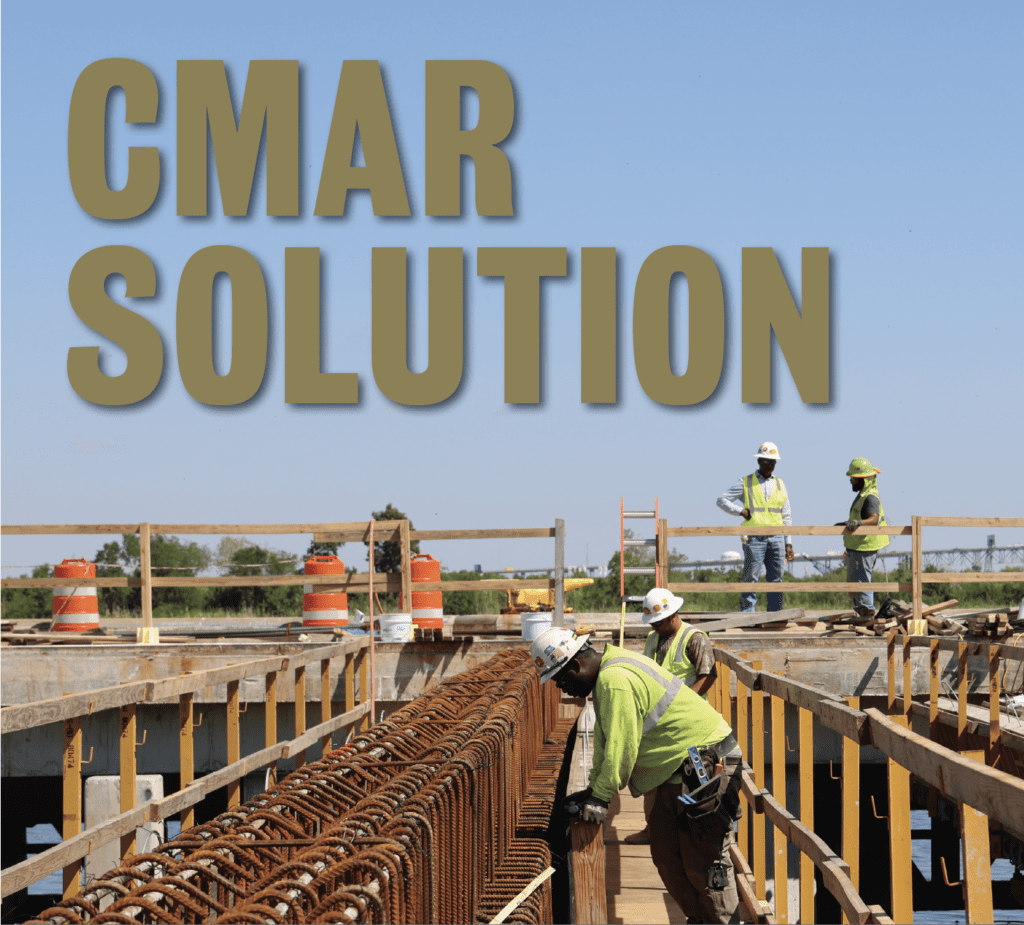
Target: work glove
{"type": "Point", "coordinates": [595, 810]}
{"type": "Point", "coordinates": [571, 804]}
{"type": "Point", "coordinates": [852, 524]}
{"type": "Point", "coordinates": [789, 552]}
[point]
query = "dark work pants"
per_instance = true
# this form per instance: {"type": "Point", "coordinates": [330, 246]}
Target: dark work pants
{"type": "Point", "coordinates": [683, 860]}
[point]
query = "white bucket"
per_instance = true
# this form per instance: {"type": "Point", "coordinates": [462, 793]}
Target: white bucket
{"type": "Point", "coordinates": [395, 627]}
{"type": "Point", "coordinates": [534, 624]}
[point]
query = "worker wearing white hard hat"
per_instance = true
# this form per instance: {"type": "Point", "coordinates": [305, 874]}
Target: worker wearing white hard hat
{"type": "Point", "coordinates": [762, 500]}
{"type": "Point", "coordinates": [682, 649]}
{"type": "Point", "coordinates": [676, 645]}
{"type": "Point", "coordinates": [646, 721]}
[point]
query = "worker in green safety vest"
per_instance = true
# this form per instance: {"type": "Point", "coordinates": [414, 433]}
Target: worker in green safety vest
{"type": "Point", "coordinates": [862, 549]}
{"type": "Point", "coordinates": [654, 733]}
{"type": "Point", "coordinates": [682, 649]}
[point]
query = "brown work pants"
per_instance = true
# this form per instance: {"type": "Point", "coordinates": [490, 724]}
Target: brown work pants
{"type": "Point", "coordinates": [684, 860]}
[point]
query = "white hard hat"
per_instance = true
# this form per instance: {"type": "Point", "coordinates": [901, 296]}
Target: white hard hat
{"type": "Point", "coordinates": [659, 605]}
{"type": "Point", "coordinates": [553, 648]}
{"type": "Point", "coordinates": [767, 451]}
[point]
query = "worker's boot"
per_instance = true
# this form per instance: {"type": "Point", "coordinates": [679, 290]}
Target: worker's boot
{"type": "Point", "coordinates": [643, 837]}
{"type": "Point", "coordinates": [866, 612]}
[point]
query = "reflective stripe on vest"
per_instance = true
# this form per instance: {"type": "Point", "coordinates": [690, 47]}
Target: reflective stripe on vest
{"type": "Point", "coordinates": [661, 707]}
{"type": "Point", "coordinates": [867, 543]}
{"type": "Point", "coordinates": [684, 632]}
{"type": "Point", "coordinates": [754, 501]}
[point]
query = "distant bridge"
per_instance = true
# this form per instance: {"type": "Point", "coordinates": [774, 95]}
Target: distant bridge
{"type": "Point", "coordinates": [979, 559]}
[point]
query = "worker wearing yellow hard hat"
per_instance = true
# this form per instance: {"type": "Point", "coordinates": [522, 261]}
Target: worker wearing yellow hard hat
{"type": "Point", "coordinates": [861, 548]}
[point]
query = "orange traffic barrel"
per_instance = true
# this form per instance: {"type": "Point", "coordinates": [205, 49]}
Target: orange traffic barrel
{"type": "Point", "coordinates": [318, 608]}
{"type": "Point", "coordinates": [426, 605]}
{"type": "Point", "coordinates": [75, 609]}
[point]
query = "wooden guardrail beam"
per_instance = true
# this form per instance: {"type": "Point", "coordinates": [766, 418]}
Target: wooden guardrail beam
{"type": "Point", "coordinates": [835, 871]}
{"type": "Point", "coordinates": [972, 521]}
{"type": "Point", "coordinates": [997, 794]}
{"type": "Point", "coordinates": [751, 530]}
{"type": "Point", "coordinates": [353, 582]}
{"type": "Point", "coordinates": [716, 587]}
{"type": "Point", "coordinates": [30, 715]}
{"type": "Point", "coordinates": [186, 529]}
{"type": "Point", "coordinates": [19, 876]}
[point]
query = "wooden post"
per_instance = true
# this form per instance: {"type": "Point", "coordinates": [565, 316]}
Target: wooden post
{"type": "Point", "coordinates": [146, 575]}
{"type": "Point", "coordinates": [994, 731]}
{"type": "Point", "coordinates": [915, 565]}
{"type": "Point", "coordinates": [186, 755]}
{"type": "Point", "coordinates": [661, 554]}
{"type": "Point", "coordinates": [757, 755]}
{"type": "Point", "coordinates": [364, 690]}
{"type": "Point", "coordinates": [908, 687]}
{"type": "Point", "coordinates": [725, 705]}
{"type": "Point", "coordinates": [851, 806]}
{"type": "Point", "coordinates": [234, 746]}
{"type": "Point", "coordinates": [780, 844]}
{"type": "Point", "coordinates": [805, 761]}
{"type": "Point", "coordinates": [890, 639]}
{"type": "Point", "coordinates": [72, 768]}
{"type": "Point", "coordinates": [350, 680]}
{"type": "Point", "coordinates": [742, 707]}
{"type": "Point", "coordinates": [300, 711]}
{"type": "Point", "coordinates": [933, 689]}
{"type": "Point", "coordinates": [405, 602]}
{"type": "Point", "coordinates": [558, 618]}
{"type": "Point", "coordinates": [127, 768]}
{"type": "Point", "coordinates": [961, 696]}
{"type": "Point", "coordinates": [325, 702]}
{"type": "Point", "coordinates": [976, 859]}
{"type": "Point", "coordinates": [270, 718]}
{"type": "Point", "coordinates": [586, 870]}
{"type": "Point", "coordinates": [900, 864]}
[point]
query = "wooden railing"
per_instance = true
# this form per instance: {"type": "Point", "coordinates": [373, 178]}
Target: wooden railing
{"type": "Point", "coordinates": [359, 531]}
{"type": "Point", "coordinates": [914, 587]}
{"type": "Point", "coordinates": [126, 698]}
{"type": "Point", "coordinates": [981, 791]}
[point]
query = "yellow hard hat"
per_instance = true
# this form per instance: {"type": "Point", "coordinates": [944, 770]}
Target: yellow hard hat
{"type": "Point", "coordinates": [861, 468]}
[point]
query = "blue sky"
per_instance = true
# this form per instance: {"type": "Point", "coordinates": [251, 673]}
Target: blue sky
{"type": "Point", "coordinates": [890, 134]}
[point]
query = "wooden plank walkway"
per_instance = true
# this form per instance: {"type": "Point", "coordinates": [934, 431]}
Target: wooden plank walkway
{"type": "Point", "coordinates": [634, 889]}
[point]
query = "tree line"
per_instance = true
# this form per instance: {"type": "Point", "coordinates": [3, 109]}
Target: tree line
{"type": "Point", "coordinates": [170, 555]}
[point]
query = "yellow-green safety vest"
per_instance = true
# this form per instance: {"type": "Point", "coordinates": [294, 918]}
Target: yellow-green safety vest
{"type": "Point", "coordinates": [866, 543]}
{"type": "Point", "coordinates": [646, 719]}
{"type": "Point", "coordinates": [761, 515]}
{"type": "Point", "coordinates": [675, 659]}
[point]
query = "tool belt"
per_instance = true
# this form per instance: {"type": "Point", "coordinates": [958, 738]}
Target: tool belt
{"type": "Point", "coordinates": [709, 807]}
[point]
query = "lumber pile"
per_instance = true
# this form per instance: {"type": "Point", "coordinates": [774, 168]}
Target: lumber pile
{"type": "Point", "coordinates": [898, 616]}
{"type": "Point", "coordinates": [990, 625]}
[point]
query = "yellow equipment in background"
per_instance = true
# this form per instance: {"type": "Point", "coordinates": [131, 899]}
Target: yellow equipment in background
{"type": "Point", "coordinates": [535, 600]}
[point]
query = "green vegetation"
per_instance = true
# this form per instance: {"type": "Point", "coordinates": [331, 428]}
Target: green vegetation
{"type": "Point", "coordinates": [238, 556]}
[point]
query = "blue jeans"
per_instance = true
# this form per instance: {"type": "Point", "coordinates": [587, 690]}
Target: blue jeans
{"type": "Point", "coordinates": [859, 566]}
{"type": "Point", "coordinates": [768, 552]}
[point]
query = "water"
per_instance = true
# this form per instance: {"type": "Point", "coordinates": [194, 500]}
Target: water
{"type": "Point", "coordinates": [920, 853]}
{"type": "Point", "coordinates": [47, 835]}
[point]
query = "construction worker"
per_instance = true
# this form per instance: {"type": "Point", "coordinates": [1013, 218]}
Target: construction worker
{"type": "Point", "coordinates": [683, 650]}
{"type": "Point", "coordinates": [761, 500]}
{"type": "Point", "coordinates": [862, 550]}
{"type": "Point", "coordinates": [655, 734]}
